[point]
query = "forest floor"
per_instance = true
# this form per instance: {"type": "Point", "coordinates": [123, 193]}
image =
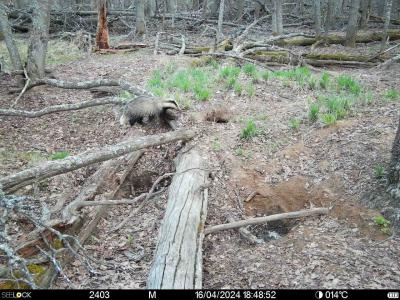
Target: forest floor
{"type": "Point", "coordinates": [290, 162]}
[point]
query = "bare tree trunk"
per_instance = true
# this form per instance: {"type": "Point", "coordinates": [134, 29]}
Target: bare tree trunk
{"type": "Point", "coordinates": [196, 5]}
{"type": "Point", "coordinates": [365, 7]}
{"type": "Point", "coordinates": [317, 17]}
{"type": "Point", "coordinates": [220, 20]}
{"type": "Point", "coordinates": [12, 48]}
{"type": "Point", "coordinates": [277, 25]}
{"type": "Point", "coordinates": [102, 38]}
{"type": "Point", "coordinates": [388, 10]}
{"type": "Point", "coordinates": [351, 32]}
{"type": "Point", "coordinates": [394, 168]}
{"type": "Point", "coordinates": [240, 9]}
{"type": "Point", "coordinates": [171, 8]}
{"type": "Point", "coordinates": [212, 6]}
{"type": "Point", "coordinates": [140, 18]}
{"type": "Point", "coordinates": [38, 39]}
{"type": "Point", "coordinates": [151, 8]}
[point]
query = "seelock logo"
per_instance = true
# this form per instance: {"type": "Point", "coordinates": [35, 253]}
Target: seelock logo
{"type": "Point", "coordinates": [16, 295]}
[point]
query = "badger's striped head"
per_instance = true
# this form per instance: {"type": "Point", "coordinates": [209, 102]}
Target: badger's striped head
{"type": "Point", "coordinates": [170, 104]}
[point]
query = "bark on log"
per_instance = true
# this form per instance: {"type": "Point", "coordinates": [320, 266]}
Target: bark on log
{"type": "Point", "coordinates": [16, 181]}
{"type": "Point", "coordinates": [255, 221]}
{"type": "Point", "coordinates": [339, 38]}
{"type": "Point", "coordinates": [177, 261]}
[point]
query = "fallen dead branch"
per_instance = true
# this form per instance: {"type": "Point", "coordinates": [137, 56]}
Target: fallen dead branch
{"type": "Point", "coordinates": [79, 85]}
{"type": "Point", "coordinates": [58, 108]}
{"type": "Point", "coordinates": [254, 221]}
{"type": "Point", "coordinates": [16, 181]}
{"type": "Point", "coordinates": [147, 197]}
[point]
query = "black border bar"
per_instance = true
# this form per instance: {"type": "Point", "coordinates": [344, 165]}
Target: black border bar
{"type": "Point", "coordinates": [202, 294]}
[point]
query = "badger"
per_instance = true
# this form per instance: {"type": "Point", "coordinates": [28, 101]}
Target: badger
{"type": "Point", "coordinates": [148, 107]}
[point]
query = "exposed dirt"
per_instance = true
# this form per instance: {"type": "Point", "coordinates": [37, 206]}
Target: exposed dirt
{"type": "Point", "coordinates": [288, 169]}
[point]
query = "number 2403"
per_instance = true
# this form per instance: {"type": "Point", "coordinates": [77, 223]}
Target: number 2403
{"type": "Point", "coordinates": [99, 295]}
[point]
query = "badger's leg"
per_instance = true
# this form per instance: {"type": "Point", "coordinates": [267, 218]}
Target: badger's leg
{"type": "Point", "coordinates": [133, 120]}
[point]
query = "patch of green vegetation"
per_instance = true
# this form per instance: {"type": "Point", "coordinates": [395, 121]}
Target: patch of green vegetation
{"type": "Point", "coordinates": [392, 94]}
{"type": "Point", "coordinates": [202, 93]}
{"type": "Point", "coordinates": [349, 84]}
{"type": "Point", "coordinates": [379, 171]}
{"type": "Point", "coordinates": [328, 119]}
{"type": "Point", "coordinates": [367, 98]}
{"type": "Point", "coordinates": [183, 101]}
{"type": "Point", "coordinates": [249, 131]}
{"type": "Point", "coordinates": [59, 155]}
{"type": "Point", "coordinates": [250, 70]}
{"type": "Point", "coordinates": [129, 240]}
{"type": "Point", "coordinates": [312, 83]}
{"type": "Point", "coordinates": [156, 80]}
{"type": "Point", "coordinates": [216, 145]}
{"type": "Point", "coordinates": [180, 80]}
{"type": "Point", "coordinates": [295, 123]}
{"type": "Point", "coordinates": [229, 71]}
{"type": "Point", "coordinates": [266, 75]}
{"type": "Point", "coordinates": [337, 105]}
{"type": "Point", "coordinates": [382, 223]}
{"type": "Point", "coordinates": [32, 157]}
{"type": "Point", "coordinates": [324, 81]}
{"type": "Point", "coordinates": [250, 90]}
{"type": "Point", "coordinates": [239, 151]}
{"type": "Point", "coordinates": [313, 112]}
{"type": "Point", "coordinates": [238, 88]}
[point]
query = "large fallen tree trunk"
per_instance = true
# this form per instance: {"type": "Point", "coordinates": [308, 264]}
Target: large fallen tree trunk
{"type": "Point", "coordinates": [338, 38]}
{"type": "Point", "coordinates": [177, 261]}
{"type": "Point", "coordinates": [16, 181]}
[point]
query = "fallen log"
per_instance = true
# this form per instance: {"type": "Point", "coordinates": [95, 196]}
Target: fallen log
{"type": "Point", "coordinates": [177, 261]}
{"type": "Point", "coordinates": [261, 220]}
{"type": "Point", "coordinates": [350, 64]}
{"type": "Point", "coordinates": [16, 181]}
{"type": "Point", "coordinates": [339, 38]}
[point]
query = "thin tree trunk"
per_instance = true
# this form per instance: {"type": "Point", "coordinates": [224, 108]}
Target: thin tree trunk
{"type": "Point", "coordinates": [317, 17]}
{"type": "Point", "coordinates": [196, 5]}
{"type": "Point", "coordinates": [102, 38]}
{"type": "Point", "coordinates": [240, 9]}
{"type": "Point", "coordinates": [351, 32]}
{"type": "Point", "coordinates": [11, 47]}
{"type": "Point", "coordinates": [388, 10]}
{"type": "Point", "coordinates": [365, 7]}
{"type": "Point", "coordinates": [277, 25]}
{"type": "Point", "coordinates": [212, 6]}
{"type": "Point", "coordinates": [140, 18]}
{"type": "Point", "coordinates": [394, 168]}
{"type": "Point", "coordinates": [151, 8]}
{"type": "Point", "coordinates": [38, 39]}
{"type": "Point", "coordinates": [171, 8]}
{"type": "Point", "coordinates": [220, 20]}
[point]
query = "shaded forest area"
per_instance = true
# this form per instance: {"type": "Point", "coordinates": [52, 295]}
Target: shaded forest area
{"type": "Point", "coordinates": [199, 144]}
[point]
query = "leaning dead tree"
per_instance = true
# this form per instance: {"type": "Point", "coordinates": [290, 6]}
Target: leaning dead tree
{"type": "Point", "coordinates": [14, 182]}
{"type": "Point", "coordinates": [178, 258]}
{"type": "Point", "coordinates": [394, 168]}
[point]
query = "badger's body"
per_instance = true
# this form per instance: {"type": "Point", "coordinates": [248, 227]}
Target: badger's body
{"type": "Point", "coordinates": [148, 107]}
